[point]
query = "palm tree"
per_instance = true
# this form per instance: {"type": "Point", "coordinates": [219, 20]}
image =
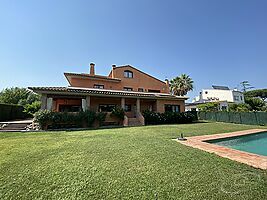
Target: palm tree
{"type": "Point", "coordinates": [181, 85]}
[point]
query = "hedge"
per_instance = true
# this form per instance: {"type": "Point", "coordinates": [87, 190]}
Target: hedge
{"type": "Point", "coordinates": [54, 120]}
{"type": "Point", "coordinates": [251, 118]}
{"type": "Point", "coordinates": [169, 117]}
{"type": "Point", "coordinates": [11, 112]}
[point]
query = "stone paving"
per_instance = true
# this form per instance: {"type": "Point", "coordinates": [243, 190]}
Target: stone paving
{"type": "Point", "coordinates": [254, 160]}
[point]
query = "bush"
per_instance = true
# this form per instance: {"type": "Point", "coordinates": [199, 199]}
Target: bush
{"type": "Point", "coordinates": [118, 112]}
{"type": "Point", "coordinates": [31, 109]}
{"type": "Point", "coordinates": [168, 117]}
{"type": "Point", "coordinates": [242, 107]}
{"type": "Point", "coordinates": [256, 104]}
{"type": "Point", "coordinates": [211, 106]}
{"type": "Point", "coordinates": [88, 117]}
{"type": "Point", "coordinates": [47, 118]}
{"type": "Point", "coordinates": [100, 117]}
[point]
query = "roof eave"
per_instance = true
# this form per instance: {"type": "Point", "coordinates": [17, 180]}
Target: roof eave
{"type": "Point", "coordinates": [102, 93]}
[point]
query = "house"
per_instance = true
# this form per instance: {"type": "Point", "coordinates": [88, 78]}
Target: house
{"type": "Point", "coordinates": [221, 94]}
{"type": "Point", "coordinates": [125, 86]}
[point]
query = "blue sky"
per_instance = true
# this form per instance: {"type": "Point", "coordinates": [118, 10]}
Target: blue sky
{"type": "Point", "coordinates": [214, 41]}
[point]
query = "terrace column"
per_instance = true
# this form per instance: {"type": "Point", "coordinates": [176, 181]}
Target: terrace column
{"type": "Point", "coordinates": [49, 104]}
{"type": "Point", "coordinates": [87, 103]}
{"type": "Point", "coordinates": [44, 102]}
{"type": "Point", "coordinates": [159, 106]}
{"type": "Point", "coordinates": [123, 103]}
{"type": "Point", "coordinates": [84, 106]}
{"type": "Point", "coordinates": [138, 105]}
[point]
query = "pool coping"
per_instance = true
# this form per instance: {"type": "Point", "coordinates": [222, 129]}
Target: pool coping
{"type": "Point", "coordinates": [254, 160]}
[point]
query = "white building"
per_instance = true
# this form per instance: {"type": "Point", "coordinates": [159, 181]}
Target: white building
{"type": "Point", "coordinates": [221, 94]}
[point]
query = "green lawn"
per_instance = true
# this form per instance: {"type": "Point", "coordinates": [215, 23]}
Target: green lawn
{"type": "Point", "coordinates": [123, 163]}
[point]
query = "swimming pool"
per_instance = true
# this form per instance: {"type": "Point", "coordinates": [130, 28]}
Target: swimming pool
{"type": "Point", "coordinates": [253, 143]}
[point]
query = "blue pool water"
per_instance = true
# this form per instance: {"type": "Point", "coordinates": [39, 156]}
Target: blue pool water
{"type": "Point", "coordinates": [253, 143]}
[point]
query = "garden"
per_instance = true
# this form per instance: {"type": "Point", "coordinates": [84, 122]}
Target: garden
{"type": "Point", "coordinates": [123, 163]}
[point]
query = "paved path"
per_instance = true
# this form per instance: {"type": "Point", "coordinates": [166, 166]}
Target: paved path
{"type": "Point", "coordinates": [18, 121]}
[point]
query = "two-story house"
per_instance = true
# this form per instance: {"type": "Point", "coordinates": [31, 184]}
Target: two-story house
{"type": "Point", "coordinates": [125, 86]}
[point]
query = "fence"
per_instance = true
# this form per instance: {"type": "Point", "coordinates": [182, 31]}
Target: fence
{"type": "Point", "coordinates": [10, 112]}
{"type": "Point", "coordinates": [251, 118]}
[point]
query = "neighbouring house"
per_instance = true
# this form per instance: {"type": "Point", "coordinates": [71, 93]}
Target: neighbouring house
{"type": "Point", "coordinates": [125, 86]}
{"type": "Point", "coordinates": [221, 94]}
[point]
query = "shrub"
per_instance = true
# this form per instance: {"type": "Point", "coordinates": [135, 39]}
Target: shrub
{"type": "Point", "coordinates": [256, 104]}
{"type": "Point", "coordinates": [242, 107]}
{"type": "Point", "coordinates": [31, 109]}
{"type": "Point", "coordinates": [168, 117]}
{"type": "Point", "coordinates": [118, 112]}
{"type": "Point", "coordinates": [88, 117]}
{"type": "Point", "coordinates": [100, 117]}
{"type": "Point", "coordinates": [43, 117]}
{"type": "Point", "coordinates": [211, 106]}
{"type": "Point", "coordinates": [47, 118]}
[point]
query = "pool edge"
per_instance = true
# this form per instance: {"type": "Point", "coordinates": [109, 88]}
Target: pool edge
{"type": "Point", "coordinates": [254, 160]}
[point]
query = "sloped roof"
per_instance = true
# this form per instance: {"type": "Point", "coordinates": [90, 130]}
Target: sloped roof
{"type": "Point", "coordinates": [103, 92]}
{"type": "Point", "coordinates": [117, 67]}
{"type": "Point", "coordinates": [68, 74]}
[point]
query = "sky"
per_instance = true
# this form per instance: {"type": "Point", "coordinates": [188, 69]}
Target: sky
{"type": "Point", "coordinates": [221, 42]}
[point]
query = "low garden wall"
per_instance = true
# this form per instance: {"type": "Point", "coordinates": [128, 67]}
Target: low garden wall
{"type": "Point", "coordinates": [11, 112]}
{"type": "Point", "coordinates": [251, 118]}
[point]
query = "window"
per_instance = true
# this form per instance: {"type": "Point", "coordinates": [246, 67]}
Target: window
{"type": "Point", "coordinates": [128, 89]}
{"type": "Point", "coordinates": [127, 108]}
{"type": "Point", "coordinates": [98, 86]}
{"type": "Point", "coordinates": [106, 107]}
{"type": "Point", "coordinates": [206, 92]}
{"type": "Point", "coordinates": [236, 98]}
{"type": "Point", "coordinates": [128, 74]}
{"type": "Point", "coordinates": [69, 108]}
{"type": "Point", "coordinates": [140, 89]}
{"type": "Point", "coordinates": [172, 108]}
{"type": "Point", "coordinates": [241, 98]}
{"type": "Point", "coordinates": [154, 91]}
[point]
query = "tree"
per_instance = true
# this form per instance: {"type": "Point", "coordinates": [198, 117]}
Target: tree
{"type": "Point", "coordinates": [209, 107]}
{"type": "Point", "coordinates": [260, 93]}
{"type": "Point", "coordinates": [181, 85]}
{"type": "Point", "coordinates": [256, 104]}
{"type": "Point", "coordinates": [21, 96]}
{"type": "Point", "coordinates": [16, 95]}
{"type": "Point", "coordinates": [242, 107]}
{"type": "Point", "coordinates": [245, 86]}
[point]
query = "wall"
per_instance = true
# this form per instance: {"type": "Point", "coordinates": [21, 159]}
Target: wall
{"type": "Point", "coordinates": [139, 80]}
{"type": "Point", "coordinates": [89, 83]}
{"type": "Point", "coordinates": [160, 105]}
{"type": "Point", "coordinates": [222, 95]}
{"type": "Point", "coordinates": [11, 112]}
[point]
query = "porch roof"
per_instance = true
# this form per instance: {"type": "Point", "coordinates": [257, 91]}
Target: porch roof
{"type": "Point", "coordinates": [103, 92]}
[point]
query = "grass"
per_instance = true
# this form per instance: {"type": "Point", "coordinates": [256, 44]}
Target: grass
{"type": "Point", "coordinates": [123, 163]}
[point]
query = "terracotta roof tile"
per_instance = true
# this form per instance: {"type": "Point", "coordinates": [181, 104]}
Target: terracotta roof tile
{"type": "Point", "coordinates": [94, 91]}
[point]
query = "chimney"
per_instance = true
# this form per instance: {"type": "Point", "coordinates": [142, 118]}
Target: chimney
{"type": "Point", "coordinates": [112, 72]}
{"type": "Point", "coordinates": [167, 82]}
{"type": "Point", "coordinates": [168, 85]}
{"type": "Point", "coordinates": [92, 69]}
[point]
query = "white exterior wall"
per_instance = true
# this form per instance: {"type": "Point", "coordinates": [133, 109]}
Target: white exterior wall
{"type": "Point", "coordinates": [222, 95]}
{"type": "Point", "coordinates": [217, 95]}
